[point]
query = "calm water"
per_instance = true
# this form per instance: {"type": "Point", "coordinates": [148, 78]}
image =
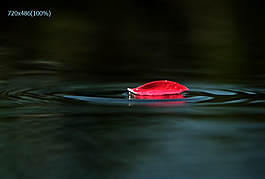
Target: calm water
{"type": "Point", "coordinates": [52, 128]}
{"type": "Point", "coordinates": [65, 112]}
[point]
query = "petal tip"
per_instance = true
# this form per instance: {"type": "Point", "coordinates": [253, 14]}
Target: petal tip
{"type": "Point", "coordinates": [130, 90]}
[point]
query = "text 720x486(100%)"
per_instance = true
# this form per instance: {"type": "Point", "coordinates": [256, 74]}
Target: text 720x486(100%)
{"type": "Point", "coordinates": [30, 13]}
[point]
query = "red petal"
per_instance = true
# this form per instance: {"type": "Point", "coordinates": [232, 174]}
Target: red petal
{"type": "Point", "coordinates": [161, 87]}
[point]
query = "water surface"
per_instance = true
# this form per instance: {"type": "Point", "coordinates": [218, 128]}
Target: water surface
{"type": "Point", "coordinates": [53, 128]}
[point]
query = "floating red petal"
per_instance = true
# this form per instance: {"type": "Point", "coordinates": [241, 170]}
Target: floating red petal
{"type": "Point", "coordinates": [161, 87]}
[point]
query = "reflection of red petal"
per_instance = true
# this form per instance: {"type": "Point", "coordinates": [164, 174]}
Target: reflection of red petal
{"type": "Point", "coordinates": [172, 96]}
{"type": "Point", "coordinates": [162, 103]}
{"type": "Point", "coordinates": [161, 87]}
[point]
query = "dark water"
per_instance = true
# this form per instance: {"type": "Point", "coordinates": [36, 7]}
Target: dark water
{"type": "Point", "coordinates": [59, 129]}
{"type": "Point", "coordinates": [65, 112]}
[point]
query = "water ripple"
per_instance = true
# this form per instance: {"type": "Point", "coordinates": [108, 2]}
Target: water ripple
{"type": "Point", "coordinates": [115, 96]}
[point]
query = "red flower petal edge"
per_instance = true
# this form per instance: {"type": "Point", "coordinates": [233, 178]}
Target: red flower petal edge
{"type": "Point", "coordinates": [161, 87]}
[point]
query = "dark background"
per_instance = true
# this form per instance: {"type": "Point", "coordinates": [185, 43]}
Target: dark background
{"type": "Point", "coordinates": [139, 39]}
